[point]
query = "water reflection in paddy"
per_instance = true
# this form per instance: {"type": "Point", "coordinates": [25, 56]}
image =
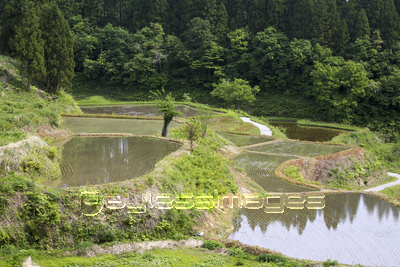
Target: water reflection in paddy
{"type": "Point", "coordinates": [109, 125]}
{"type": "Point", "coordinates": [244, 139]}
{"type": "Point", "coordinates": [261, 168]}
{"type": "Point", "coordinates": [143, 110]}
{"type": "Point", "coordinates": [97, 160]}
{"type": "Point", "coordinates": [299, 148]}
{"type": "Point", "coordinates": [352, 228]}
{"type": "Point", "coordinates": [305, 133]}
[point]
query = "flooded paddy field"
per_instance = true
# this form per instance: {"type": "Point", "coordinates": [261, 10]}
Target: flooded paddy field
{"type": "Point", "coordinates": [142, 110]}
{"type": "Point", "coordinates": [299, 148]}
{"type": "Point", "coordinates": [99, 160]}
{"type": "Point", "coordinates": [245, 140]}
{"type": "Point", "coordinates": [110, 125]}
{"type": "Point", "coordinates": [306, 133]}
{"type": "Point", "coordinates": [352, 229]}
{"type": "Point", "coordinates": [261, 168]}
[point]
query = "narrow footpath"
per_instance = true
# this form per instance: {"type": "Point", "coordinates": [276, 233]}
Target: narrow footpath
{"type": "Point", "coordinates": [263, 129]}
{"type": "Point", "coordinates": [267, 131]}
{"type": "Point", "coordinates": [381, 187]}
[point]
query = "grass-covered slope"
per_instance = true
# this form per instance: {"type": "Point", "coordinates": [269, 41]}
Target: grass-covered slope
{"type": "Point", "coordinates": [24, 114]}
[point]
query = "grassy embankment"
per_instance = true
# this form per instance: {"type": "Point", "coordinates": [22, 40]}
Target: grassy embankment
{"type": "Point", "coordinates": [353, 169]}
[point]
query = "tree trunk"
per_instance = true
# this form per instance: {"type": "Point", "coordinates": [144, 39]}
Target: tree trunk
{"type": "Point", "coordinates": [164, 132]}
{"type": "Point", "coordinates": [238, 104]}
{"type": "Point", "coordinates": [29, 78]}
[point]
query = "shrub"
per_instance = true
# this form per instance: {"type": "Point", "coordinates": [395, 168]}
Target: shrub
{"type": "Point", "coordinates": [52, 153]}
{"type": "Point", "coordinates": [272, 258]}
{"type": "Point", "coordinates": [329, 263]}
{"type": "Point", "coordinates": [212, 244]}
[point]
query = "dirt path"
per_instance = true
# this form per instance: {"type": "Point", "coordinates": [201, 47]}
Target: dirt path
{"type": "Point", "coordinates": [381, 187]}
{"type": "Point", "coordinates": [263, 129]}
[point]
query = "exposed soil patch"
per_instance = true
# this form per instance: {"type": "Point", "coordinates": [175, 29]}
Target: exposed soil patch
{"type": "Point", "coordinates": [354, 166]}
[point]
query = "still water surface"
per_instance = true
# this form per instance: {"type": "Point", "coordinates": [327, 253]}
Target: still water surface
{"type": "Point", "coordinates": [244, 139]}
{"type": "Point", "coordinates": [110, 125]}
{"type": "Point", "coordinates": [352, 228]}
{"type": "Point", "coordinates": [299, 148]}
{"type": "Point", "coordinates": [143, 110]}
{"type": "Point", "coordinates": [98, 160]}
{"type": "Point", "coordinates": [305, 133]}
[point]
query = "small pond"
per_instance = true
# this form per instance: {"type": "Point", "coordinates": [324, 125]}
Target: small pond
{"type": "Point", "coordinates": [352, 229]}
{"type": "Point", "coordinates": [110, 125]}
{"type": "Point", "coordinates": [143, 110]}
{"type": "Point", "coordinates": [305, 133]}
{"type": "Point", "coordinates": [299, 148]}
{"type": "Point", "coordinates": [245, 140]}
{"type": "Point", "coordinates": [261, 168]}
{"type": "Point", "coordinates": [98, 160]}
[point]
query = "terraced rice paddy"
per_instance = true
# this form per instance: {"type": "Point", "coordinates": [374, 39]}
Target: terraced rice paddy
{"type": "Point", "coordinates": [98, 160]}
{"type": "Point", "coordinates": [245, 140]}
{"type": "Point", "coordinates": [299, 148]}
{"type": "Point", "coordinates": [305, 133]}
{"type": "Point", "coordinates": [262, 167]}
{"type": "Point", "coordinates": [109, 125]}
{"type": "Point", "coordinates": [352, 228]}
{"type": "Point", "coordinates": [143, 110]}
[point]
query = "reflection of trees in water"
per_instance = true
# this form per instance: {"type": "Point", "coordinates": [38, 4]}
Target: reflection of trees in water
{"type": "Point", "coordinates": [105, 159]}
{"type": "Point", "coordinates": [338, 209]}
{"type": "Point", "coordinates": [383, 208]}
{"type": "Point", "coordinates": [289, 218]}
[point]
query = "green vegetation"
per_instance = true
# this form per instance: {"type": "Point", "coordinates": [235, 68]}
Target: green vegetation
{"type": "Point", "coordinates": [203, 171]}
{"type": "Point", "coordinates": [294, 172]}
{"type": "Point", "coordinates": [306, 122]}
{"type": "Point", "coordinates": [40, 25]}
{"type": "Point", "coordinates": [392, 192]}
{"type": "Point", "coordinates": [156, 257]}
{"type": "Point", "coordinates": [27, 111]}
{"type": "Point", "coordinates": [379, 145]}
{"type": "Point", "coordinates": [165, 104]}
{"type": "Point", "coordinates": [238, 91]}
{"type": "Point", "coordinates": [212, 244]}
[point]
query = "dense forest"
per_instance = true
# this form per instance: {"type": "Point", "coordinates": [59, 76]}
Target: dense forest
{"type": "Point", "coordinates": [341, 55]}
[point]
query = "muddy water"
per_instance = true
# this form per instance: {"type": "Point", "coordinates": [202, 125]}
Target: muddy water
{"type": "Point", "coordinates": [304, 133]}
{"type": "Point", "coordinates": [262, 169]}
{"type": "Point", "coordinates": [147, 111]}
{"type": "Point", "coordinates": [109, 125]}
{"type": "Point", "coordinates": [245, 140]}
{"type": "Point", "coordinates": [98, 160]}
{"type": "Point", "coordinates": [352, 228]}
{"type": "Point", "coordinates": [299, 148]}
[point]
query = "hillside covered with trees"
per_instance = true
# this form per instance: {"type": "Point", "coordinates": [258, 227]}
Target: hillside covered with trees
{"type": "Point", "coordinates": [342, 56]}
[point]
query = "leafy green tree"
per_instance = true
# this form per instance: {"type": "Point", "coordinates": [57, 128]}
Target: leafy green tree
{"type": "Point", "coordinates": [238, 91]}
{"type": "Point", "coordinates": [276, 14]}
{"type": "Point", "coordinates": [10, 17]}
{"type": "Point", "coordinates": [258, 20]}
{"type": "Point", "coordinates": [165, 104]}
{"type": "Point", "coordinates": [29, 45]}
{"type": "Point", "coordinates": [382, 15]}
{"type": "Point", "coordinates": [204, 53]}
{"type": "Point", "coordinates": [148, 66]}
{"type": "Point", "coordinates": [268, 46]}
{"type": "Point", "coordinates": [237, 56]}
{"type": "Point", "coordinates": [221, 26]}
{"type": "Point", "coordinates": [338, 90]}
{"type": "Point", "coordinates": [59, 54]}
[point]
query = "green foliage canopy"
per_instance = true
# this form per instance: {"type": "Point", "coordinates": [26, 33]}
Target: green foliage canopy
{"type": "Point", "coordinates": [238, 91]}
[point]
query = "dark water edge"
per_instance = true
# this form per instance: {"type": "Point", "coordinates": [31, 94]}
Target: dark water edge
{"type": "Point", "coordinates": [307, 133]}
